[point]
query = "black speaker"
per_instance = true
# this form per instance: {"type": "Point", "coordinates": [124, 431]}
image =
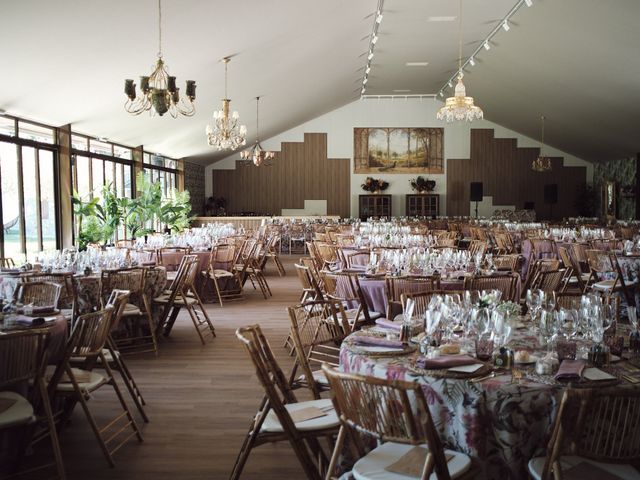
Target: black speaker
{"type": "Point", "coordinates": [529, 205]}
{"type": "Point", "coordinates": [551, 194]}
{"type": "Point", "coordinates": [476, 191]}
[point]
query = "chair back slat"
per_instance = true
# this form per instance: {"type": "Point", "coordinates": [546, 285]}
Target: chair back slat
{"type": "Point", "coordinates": [90, 333]}
{"type": "Point", "coordinates": [40, 294]}
{"type": "Point", "coordinates": [22, 356]}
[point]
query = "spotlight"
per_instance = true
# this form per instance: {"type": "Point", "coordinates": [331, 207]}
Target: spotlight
{"type": "Point", "coordinates": [450, 84]}
{"type": "Point", "coordinates": [487, 45]}
{"type": "Point", "coordinates": [528, 3]}
{"type": "Point", "coordinates": [374, 40]}
{"type": "Point", "coordinates": [472, 62]}
{"type": "Point", "coordinates": [505, 26]}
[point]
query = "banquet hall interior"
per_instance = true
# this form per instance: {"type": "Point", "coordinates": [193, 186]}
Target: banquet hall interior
{"type": "Point", "coordinates": [285, 239]}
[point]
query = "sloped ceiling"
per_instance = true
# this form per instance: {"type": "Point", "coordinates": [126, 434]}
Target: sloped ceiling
{"type": "Point", "coordinates": [574, 61]}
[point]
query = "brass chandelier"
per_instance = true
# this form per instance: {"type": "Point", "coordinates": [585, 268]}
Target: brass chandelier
{"type": "Point", "coordinates": [226, 133]}
{"type": "Point", "coordinates": [158, 91]}
{"type": "Point", "coordinates": [257, 154]}
{"type": "Point", "coordinates": [459, 107]}
{"type": "Point", "coordinates": [542, 163]}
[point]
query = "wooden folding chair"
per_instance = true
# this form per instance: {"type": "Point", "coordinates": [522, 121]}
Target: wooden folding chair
{"type": "Point", "coordinates": [137, 338]}
{"type": "Point", "coordinates": [271, 253]}
{"type": "Point", "coordinates": [551, 281]}
{"type": "Point", "coordinates": [357, 260]}
{"type": "Point", "coordinates": [507, 262]}
{"type": "Point", "coordinates": [396, 414]}
{"type": "Point", "coordinates": [507, 284]}
{"type": "Point", "coordinates": [220, 273]}
{"type": "Point", "coordinates": [599, 428]}
{"type": "Point", "coordinates": [87, 342]}
{"type": "Point", "coordinates": [273, 421]}
{"type": "Point", "coordinates": [186, 296]}
{"type": "Point", "coordinates": [7, 262]}
{"type": "Point", "coordinates": [348, 290]}
{"type": "Point", "coordinates": [23, 359]}
{"type": "Point", "coordinates": [39, 294]}
{"type": "Point", "coordinates": [317, 335]}
{"type": "Point", "coordinates": [65, 301]}
{"type": "Point", "coordinates": [603, 264]}
{"type": "Point", "coordinates": [421, 300]}
{"type": "Point", "coordinates": [396, 286]}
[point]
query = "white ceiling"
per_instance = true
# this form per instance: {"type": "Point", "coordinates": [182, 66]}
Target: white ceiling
{"type": "Point", "coordinates": [575, 61]}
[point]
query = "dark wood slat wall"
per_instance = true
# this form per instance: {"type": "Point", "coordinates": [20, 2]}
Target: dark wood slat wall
{"type": "Point", "coordinates": [300, 171]}
{"type": "Point", "coordinates": [505, 171]}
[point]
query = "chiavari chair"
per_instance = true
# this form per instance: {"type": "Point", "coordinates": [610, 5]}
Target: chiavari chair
{"type": "Point", "coordinates": [598, 427]}
{"type": "Point", "coordinates": [23, 359]}
{"type": "Point", "coordinates": [86, 345]}
{"type": "Point", "coordinates": [317, 334]}
{"type": "Point", "coordinates": [602, 264]}
{"type": "Point", "coordinates": [219, 273]}
{"type": "Point", "coordinates": [507, 284]}
{"type": "Point", "coordinates": [397, 415]}
{"type": "Point", "coordinates": [185, 295]}
{"type": "Point", "coordinates": [138, 338]}
{"type": "Point", "coordinates": [396, 286]}
{"type": "Point", "coordinates": [273, 422]}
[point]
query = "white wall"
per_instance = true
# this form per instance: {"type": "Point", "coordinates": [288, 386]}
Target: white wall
{"type": "Point", "coordinates": [339, 125]}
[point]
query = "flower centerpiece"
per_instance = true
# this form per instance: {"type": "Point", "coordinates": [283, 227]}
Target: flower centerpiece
{"type": "Point", "coordinates": [421, 184]}
{"type": "Point", "coordinates": [374, 185]}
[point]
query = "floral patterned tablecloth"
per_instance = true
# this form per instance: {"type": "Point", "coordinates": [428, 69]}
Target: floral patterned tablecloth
{"type": "Point", "coordinates": [500, 424]}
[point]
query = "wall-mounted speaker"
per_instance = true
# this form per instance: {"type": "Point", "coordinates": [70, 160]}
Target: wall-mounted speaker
{"type": "Point", "coordinates": [476, 191]}
{"type": "Point", "coordinates": [551, 194]}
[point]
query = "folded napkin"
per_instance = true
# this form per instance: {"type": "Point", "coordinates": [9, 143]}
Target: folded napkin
{"type": "Point", "coordinates": [37, 310]}
{"type": "Point", "coordinates": [570, 370]}
{"type": "Point", "coordinates": [10, 270]}
{"type": "Point", "coordinates": [390, 324]}
{"type": "Point", "coordinates": [376, 341]}
{"type": "Point", "coordinates": [28, 321]}
{"type": "Point", "coordinates": [445, 361]}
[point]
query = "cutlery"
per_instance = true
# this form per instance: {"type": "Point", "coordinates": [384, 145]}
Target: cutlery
{"type": "Point", "coordinates": [481, 379]}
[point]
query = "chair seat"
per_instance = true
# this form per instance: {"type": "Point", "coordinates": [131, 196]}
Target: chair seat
{"type": "Point", "coordinates": [622, 471]}
{"type": "Point", "coordinates": [130, 310]}
{"type": "Point", "coordinates": [177, 301]}
{"type": "Point", "coordinates": [272, 424]}
{"type": "Point", "coordinates": [105, 351]}
{"type": "Point", "coordinates": [351, 314]}
{"type": "Point", "coordinates": [318, 376]}
{"type": "Point", "coordinates": [95, 381]}
{"type": "Point", "coordinates": [218, 273]}
{"type": "Point", "coordinates": [171, 276]}
{"type": "Point", "coordinates": [372, 466]}
{"type": "Point", "coordinates": [19, 413]}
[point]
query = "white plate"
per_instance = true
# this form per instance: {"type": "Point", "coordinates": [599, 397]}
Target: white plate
{"type": "Point", "coordinates": [372, 349]}
{"type": "Point", "coordinates": [466, 368]}
{"type": "Point", "coordinates": [614, 358]}
{"type": "Point", "coordinates": [595, 374]}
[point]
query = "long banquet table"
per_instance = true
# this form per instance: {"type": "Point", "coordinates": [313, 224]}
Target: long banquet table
{"type": "Point", "coordinates": [500, 424]}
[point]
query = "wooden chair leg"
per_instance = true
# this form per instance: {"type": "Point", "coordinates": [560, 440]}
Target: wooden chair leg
{"type": "Point", "coordinates": [125, 407]}
{"type": "Point", "coordinates": [249, 441]}
{"type": "Point", "coordinates": [53, 433]}
{"type": "Point", "coordinates": [130, 384]}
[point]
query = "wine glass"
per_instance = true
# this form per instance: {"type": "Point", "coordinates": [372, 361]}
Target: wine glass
{"type": "Point", "coordinates": [547, 328]}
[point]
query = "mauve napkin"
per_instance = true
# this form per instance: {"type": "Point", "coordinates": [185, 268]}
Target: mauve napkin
{"type": "Point", "coordinates": [386, 323]}
{"type": "Point", "coordinates": [376, 341]}
{"type": "Point", "coordinates": [570, 370]}
{"type": "Point", "coordinates": [36, 310]}
{"type": "Point", "coordinates": [445, 361]}
{"type": "Point", "coordinates": [28, 321]}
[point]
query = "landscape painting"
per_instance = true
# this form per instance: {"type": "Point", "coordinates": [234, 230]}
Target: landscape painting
{"type": "Point", "coordinates": [398, 150]}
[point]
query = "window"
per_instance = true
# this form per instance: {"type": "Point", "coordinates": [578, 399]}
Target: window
{"type": "Point", "coordinates": [28, 190]}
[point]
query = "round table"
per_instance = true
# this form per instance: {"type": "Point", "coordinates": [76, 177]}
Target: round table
{"type": "Point", "coordinates": [499, 423]}
{"type": "Point", "coordinates": [58, 333]}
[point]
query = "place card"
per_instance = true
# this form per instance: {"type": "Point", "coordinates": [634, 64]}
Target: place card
{"type": "Point", "coordinates": [305, 414]}
{"type": "Point", "coordinates": [466, 368]}
{"type": "Point", "coordinates": [412, 462]}
{"type": "Point", "coordinates": [596, 375]}
{"type": "Point", "coordinates": [6, 404]}
{"type": "Point", "coordinates": [588, 471]}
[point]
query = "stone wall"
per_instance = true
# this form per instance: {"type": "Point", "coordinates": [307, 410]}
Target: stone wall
{"type": "Point", "coordinates": [623, 172]}
{"type": "Point", "coordinates": [194, 183]}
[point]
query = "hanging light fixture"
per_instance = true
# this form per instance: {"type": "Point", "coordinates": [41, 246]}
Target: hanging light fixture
{"type": "Point", "coordinates": [158, 91]}
{"type": "Point", "coordinates": [541, 163]}
{"type": "Point", "coordinates": [459, 107]}
{"type": "Point", "coordinates": [226, 134]}
{"type": "Point", "coordinates": [257, 154]}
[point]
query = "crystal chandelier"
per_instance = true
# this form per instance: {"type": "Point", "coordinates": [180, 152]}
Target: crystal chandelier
{"type": "Point", "coordinates": [158, 91]}
{"type": "Point", "coordinates": [541, 163]}
{"type": "Point", "coordinates": [459, 107]}
{"type": "Point", "coordinates": [226, 134]}
{"type": "Point", "coordinates": [256, 153]}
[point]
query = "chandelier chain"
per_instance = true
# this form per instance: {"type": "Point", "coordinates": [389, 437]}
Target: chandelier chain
{"type": "Point", "coordinates": [460, 37]}
{"type": "Point", "coordinates": [159, 28]}
{"type": "Point", "coordinates": [257, 119]}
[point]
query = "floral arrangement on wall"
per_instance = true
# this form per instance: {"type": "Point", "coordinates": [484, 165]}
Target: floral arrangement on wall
{"type": "Point", "coordinates": [374, 185]}
{"type": "Point", "coordinates": [421, 184]}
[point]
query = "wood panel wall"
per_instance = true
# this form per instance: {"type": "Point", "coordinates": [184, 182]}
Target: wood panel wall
{"type": "Point", "coordinates": [505, 171]}
{"type": "Point", "coordinates": [300, 171]}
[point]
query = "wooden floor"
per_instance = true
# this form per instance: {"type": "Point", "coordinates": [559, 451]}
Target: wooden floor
{"type": "Point", "coordinates": [200, 400]}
